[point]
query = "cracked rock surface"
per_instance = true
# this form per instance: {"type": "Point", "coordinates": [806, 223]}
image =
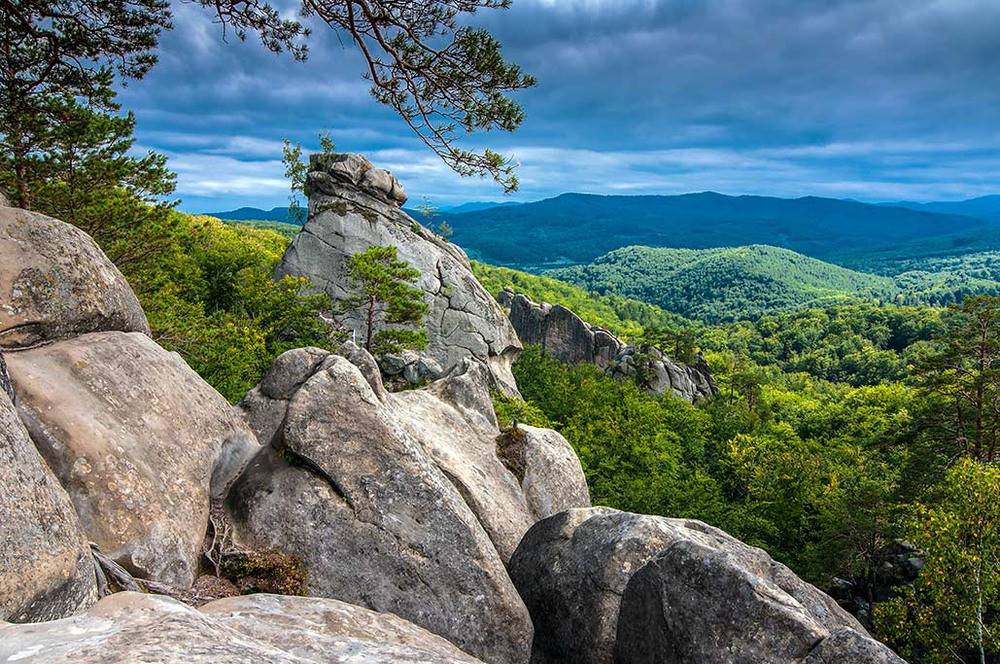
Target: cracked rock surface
{"type": "Point", "coordinates": [56, 283]}
{"type": "Point", "coordinates": [396, 502]}
{"type": "Point", "coordinates": [350, 211]}
{"type": "Point", "coordinates": [45, 566]}
{"type": "Point", "coordinates": [137, 439]}
{"type": "Point", "coordinates": [603, 585]}
{"type": "Point", "coordinates": [132, 627]}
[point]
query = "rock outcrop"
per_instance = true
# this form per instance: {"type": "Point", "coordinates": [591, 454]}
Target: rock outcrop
{"type": "Point", "coordinates": [547, 468]}
{"type": "Point", "coordinates": [56, 283]}
{"type": "Point", "coordinates": [568, 338]}
{"type": "Point", "coordinates": [716, 599]}
{"type": "Point", "coordinates": [604, 585]}
{"type": "Point", "coordinates": [132, 627]}
{"type": "Point", "coordinates": [46, 571]}
{"type": "Point", "coordinates": [390, 500]}
{"type": "Point", "coordinates": [135, 437]}
{"type": "Point", "coordinates": [354, 206]}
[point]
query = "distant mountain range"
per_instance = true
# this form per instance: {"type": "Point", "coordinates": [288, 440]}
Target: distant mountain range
{"type": "Point", "coordinates": [734, 283]}
{"type": "Point", "coordinates": [577, 228]}
{"type": "Point", "coordinates": [252, 214]}
{"type": "Point", "coordinates": [984, 207]}
{"type": "Point", "coordinates": [281, 213]}
{"type": "Point", "coordinates": [717, 285]}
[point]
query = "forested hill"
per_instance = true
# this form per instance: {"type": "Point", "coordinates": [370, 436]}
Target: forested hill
{"type": "Point", "coordinates": [577, 228]}
{"type": "Point", "coordinates": [725, 284]}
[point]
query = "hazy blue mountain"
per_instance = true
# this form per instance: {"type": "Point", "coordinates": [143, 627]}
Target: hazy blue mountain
{"type": "Point", "coordinates": [983, 207]}
{"type": "Point", "coordinates": [577, 228]}
{"type": "Point", "coordinates": [247, 213]}
{"type": "Point", "coordinates": [475, 206]}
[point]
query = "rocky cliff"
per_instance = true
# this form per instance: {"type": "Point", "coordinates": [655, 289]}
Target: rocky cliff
{"type": "Point", "coordinates": [354, 206]}
{"type": "Point", "coordinates": [420, 531]}
{"type": "Point", "coordinates": [565, 336]}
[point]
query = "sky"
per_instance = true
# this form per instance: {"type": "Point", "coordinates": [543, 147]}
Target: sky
{"type": "Point", "coordinates": [874, 100]}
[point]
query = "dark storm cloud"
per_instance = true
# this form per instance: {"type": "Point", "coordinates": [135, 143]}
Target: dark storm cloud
{"type": "Point", "coordinates": [873, 99]}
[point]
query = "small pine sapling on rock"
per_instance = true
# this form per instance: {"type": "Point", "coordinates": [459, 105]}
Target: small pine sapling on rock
{"type": "Point", "coordinates": [386, 297]}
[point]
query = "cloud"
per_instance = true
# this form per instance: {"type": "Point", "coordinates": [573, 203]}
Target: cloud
{"type": "Point", "coordinates": [865, 98]}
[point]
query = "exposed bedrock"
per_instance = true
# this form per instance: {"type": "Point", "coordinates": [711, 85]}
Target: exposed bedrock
{"type": "Point", "coordinates": [137, 439]}
{"type": "Point", "coordinates": [132, 627]}
{"type": "Point", "coordinates": [568, 338]}
{"type": "Point", "coordinates": [354, 206]}
{"type": "Point", "coordinates": [56, 283]}
{"type": "Point", "coordinates": [395, 501]}
{"type": "Point", "coordinates": [604, 586]}
{"type": "Point", "coordinates": [46, 571]}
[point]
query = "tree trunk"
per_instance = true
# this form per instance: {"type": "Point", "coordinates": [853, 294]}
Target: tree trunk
{"type": "Point", "coordinates": [5, 383]}
{"type": "Point", "coordinates": [371, 324]}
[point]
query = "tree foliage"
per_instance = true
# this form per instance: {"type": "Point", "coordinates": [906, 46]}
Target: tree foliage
{"type": "Point", "coordinates": [962, 370]}
{"type": "Point", "coordinates": [952, 613]}
{"type": "Point", "coordinates": [386, 301]}
{"type": "Point", "coordinates": [209, 296]}
{"type": "Point", "coordinates": [60, 53]}
{"type": "Point", "coordinates": [87, 176]}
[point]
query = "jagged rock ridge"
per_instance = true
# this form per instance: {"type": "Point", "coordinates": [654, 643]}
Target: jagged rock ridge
{"type": "Point", "coordinates": [567, 337]}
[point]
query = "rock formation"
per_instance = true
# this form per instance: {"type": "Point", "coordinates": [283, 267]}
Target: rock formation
{"type": "Point", "coordinates": [714, 598]}
{"type": "Point", "coordinates": [135, 436]}
{"type": "Point", "coordinates": [354, 206]}
{"type": "Point", "coordinates": [604, 585]}
{"type": "Point", "coordinates": [132, 627]}
{"type": "Point", "coordinates": [547, 468]}
{"type": "Point", "coordinates": [351, 490]}
{"type": "Point", "coordinates": [56, 283]}
{"type": "Point", "coordinates": [409, 503]}
{"type": "Point", "coordinates": [45, 567]}
{"type": "Point", "coordinates": [568, 338]}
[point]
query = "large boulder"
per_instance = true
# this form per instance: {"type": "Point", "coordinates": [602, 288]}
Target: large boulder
{"type": "Point", "coordinates": [56, 283]}
{"type": "Point", "coordinates": [131, 627]}
{"type": "Point", "coordinates": [460, 438]}
{"type": "Point", "coordinates": [721, 601]}
{"type": "Point", "coordinates": [573, 568]}
{"type": "Point", "coordinates": [547, 467]}
{"type": "Point", "coordinates": [138, 440]}
{"type": "Point", "coordinates": [568, 338]}
{"type": "Point", "coordinates": [351, 487]}
{"type": "Point", "coordinates": [350, 211]}
{"type": "Point", "coordinates": [46, 570]}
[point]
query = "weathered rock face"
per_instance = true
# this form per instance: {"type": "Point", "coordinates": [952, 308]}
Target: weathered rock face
{"type": "Point", "coordinates": [355, 485]}
{"type": "Point", "coordinates": [137, 439]}
{"type": "Point", "coordinates": [354, 206]}
{"type": "Point", "coordinates": [572, 570]}
{"type": "Point", "coordinates": [463, 447]}
{"type": "Point", "coordinates": [547, 467]}
{"type": "Point", "coordinates": [46, 571]}
{"type": "Point", "coordinates": [710, 601]}
{"type": "Point", "coordinates": [131, 627]}
{"type": "Point", "coordinates": [56, 283]}
{"type": "Point", "coordinates": [568, 338]}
